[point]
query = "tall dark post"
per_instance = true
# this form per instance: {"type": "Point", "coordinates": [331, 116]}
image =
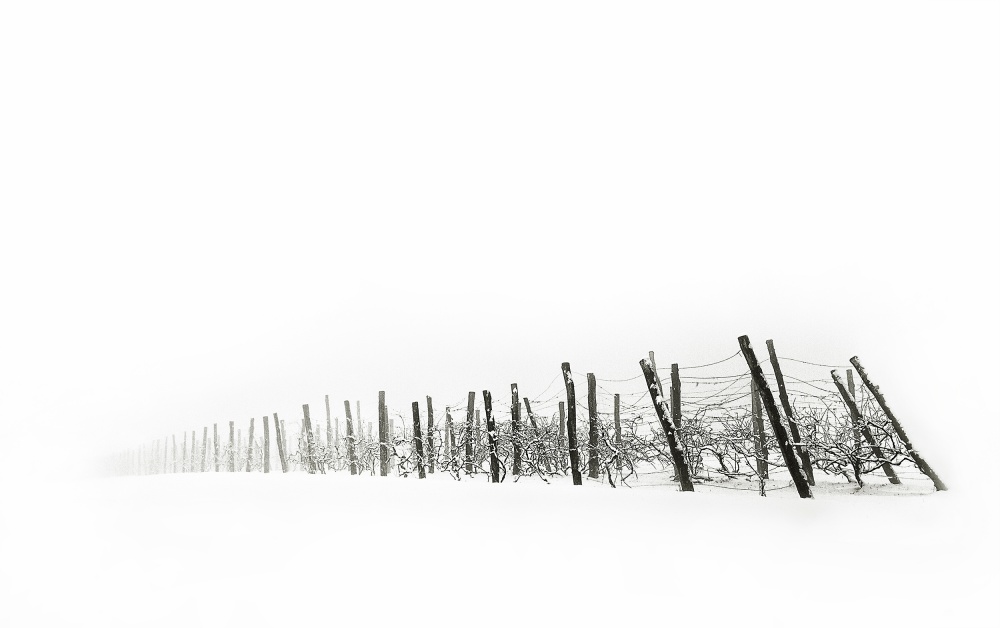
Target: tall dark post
{"type": "Point", "coordinates": [383, 435]}
{"type": "Point", "coordinates": [279, 438]}
{"type": "Point", "coordinates": [574, 453]}
{"type": "Point", "coordinates": [759, 438]}
{"type": "Point", "coordinates": [470, 409]}
{"type": "Point", "coordinates": [418, 443]}
{"type": "Point", "coordinates": [787, 453]}
{"type": "Point", "coordinates": [515, 428]}
{"type": "Point", "coordinates": [492, 438]}
{"type": "Point", "coordinates": [914, 454]}
{"type": "Point", "coordinates": [430, 436]}
{"type": "Point", "coordinates": [793, 424]}
{"type": "Point", "coordinates": [618, 431]}
{"type": "Point", "coordinates": [593, 460]}
{"type": "Point", "coordinates": [666, 422]}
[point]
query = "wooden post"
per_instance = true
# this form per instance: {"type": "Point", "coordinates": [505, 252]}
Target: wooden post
{"type": "Point", "coordinates": [383, 435]}
{"type": "Point", "coordinates": [449, 438]}
{"type": "Point", "coordinates": [173, 439]}
{"type": "Point", "coordinates": [279, 438]}
{"type": "Point", "coordinates": [250, 447]}
{"type": "Point", "coordinates": [858, 420]}
{"type": "Point", "coordinates": [165, 457]}
{"type": "Point", "coordinates": [793, 424]}
{"type": "Point", "coordinates": [267, 446]}
{"type": "Point", "coordinates": [764, 391]}
{"type": "Point", "coordinates": [418, 443]}
{"type": "Point", "coordinates": [231, 467]}
{"type": "Point", "coordinates": [593, 460]}
{"type": "Point", "coordinates": [492, 438]}
{"type": "Point", "coordinates": [562, 435]}
{"type": "Point", "coordinates": [760, 443]}
{"type": "Point", "coordinates": [574, 453]}
{"type": "Point", "coordinates": [675, 395]}
{"type": "Point", "coordinates": [215, 445]}
{"type": "Point", "coordinates": [204, 450]}
{"type": "Point", "coordinates": [430, 436]}
{"type": "Point", "coordinates": [618, 431]}
{"type": "Point", "coordinates": [666, 422]}
{"type": "Point", "coordinates": [352, 456]}
{"type": "Point", "coordinates": [308, 437]}
{"type": "Point", "coordinates": [656, 372]}
{"type": "Point", "coordinates": [515, 429]}
{"type": "Point", "coordinates": [855, 421]}
{"type": "Point", "coordinates": [914, 454]}
{"type": "Point", "coordinates": [468, 432]}
{"type": "Point", "coordinates": [184, 454]}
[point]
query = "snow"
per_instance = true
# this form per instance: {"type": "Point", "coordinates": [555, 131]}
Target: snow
{"type": "Point", "coordinates": [249, 549]}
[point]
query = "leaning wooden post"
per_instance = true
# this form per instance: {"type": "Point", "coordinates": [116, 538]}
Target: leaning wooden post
{"type": "Point", "coordinates": [267, 446]}
{"type": "Point", "coordinates": [574, 453]}
{"type": "Point", "coordinates": [618, 431]}
{"type": "Point", "coordinates": [857, 419]}
{"type": "Point", "coordinates": [492, 438]}
{"type": "Point", "coordinates": [470, 409]}
{"type": "Point", "coordinates": [917, 458]}
{"type": "Point", "coordinates": [515, 429]}
{"type": "Point", "coordinates": [383, 435]}
{"type": "Point", "coordinates": [791, 461]}
{"type": "Point", "coordinates": [855, 425]}
{"type": "Point", "coordinates": [418, 443]}
{"type": "Point", "coordinates": [593, 460]}
{"type": "Point", "coordinates": [430, 436]}
{"type": "Point", "coordinates": [793, 424]}
{"type": "Point", "coordinates": [308, 437]}
{"type": "Point", "coordinates": [760, 440]}
{"type": "Point", "coordinates": [666, 422]}
{"type": "Point", "coordinates": [279, 438]}
{"type": "Point", "coordinates": [352, 456]}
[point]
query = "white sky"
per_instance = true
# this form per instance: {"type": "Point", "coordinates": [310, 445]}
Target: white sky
{"type": "Point", "coordinates": [214, 210]}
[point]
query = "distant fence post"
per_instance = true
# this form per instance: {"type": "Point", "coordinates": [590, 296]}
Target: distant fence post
{"type": "Point", "coordinates": [593, 460]}
{"type": "Point", "coordinates": [618, 431]}
{"type": "Point", "coordinates": [430, 436]}
{"type": "Point", "coordinates": [184, 454]}
{"type": "Point", "coordinates": [574, 453]}
{"type": "Point", "coordinates": [515, 429]}
{"type": "Point", "coordinates": [204, 450]}
{"type": "Point", "coordinates": [917, 458]}
{"type": "Point", "coordinates": [267, 446]}
{"type": "Point", "coordinates": [307, 436]}
{"type": "Point", "coordinates": [470, 409]}
{"type": "Point", "coordinates": [418, 443]}
{"type": "Point", "coordinates": [352, 459]}
{"type": "Point", "coordinates": [173, 440]}
{"type": "Point", "coordinates": [279, 439]}
{"type": "Point", "coordinates": [383, 435]}
{"type": "Point", "coordinates": [215, 444]}
{"type": "Point", "coordinates": [666, 423]}
{"type": "Point", "coordinates": [232, 447]}
{"type": "Point", "coordinates": [492, 438]}
{"type": "Point", "coordinates": [764, 391]}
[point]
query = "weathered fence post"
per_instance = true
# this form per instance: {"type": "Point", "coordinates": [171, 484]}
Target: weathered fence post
{"type": "Point", "coordinates": [267, 446]}
{"type": "Point", "coordinates": [430, 436]}
{"type": "Point", "coordinates": [917, 458]}
{"type": "Point", "coordinates": [173, 440]}
{"type": "Point", "coordinates": [231, 466]}
{"type": "Point", "coordinates": [250, 447]}
{"type": "Point", "coordinates": [862, 425]}
{"type": "Point", "coordinates": [857, 428]}
{"type": "Point", "coordinates": [515, 429]}
{"type": "Point", "coordinates": [184, 454]}
{"type": "Point", "coordinates": [204, 450]}
{"type": "Point", "coordinates": [618, 431]}
{"type": "Point", "coordinates": [383, 435]}
{"type": "Point", "coordinates": [764, 391]}
{"type": "Point", "coordinates": [793, 424]}
{"type": "Point", "coordinates": [574, 453]}
{"type": "Point", "coordinates": [279, 439]}
{"type": "Point", "coordinates": [418, 443]}
{"type": "Point", "coordinates": [308, 437]}
{"type": "Point", "coordinates": [215, 444]}
{"type": "Point", "coordinates": [449, 439]}
{"type": "Point", "coordinates": [468, 432]}
{"type": "Point", "coordinates": [666, 422]}
{"type": "Point", "coordinates": [760, 440]}
{"type": "Point", "coordinates": [562, 436]}
{"type": "Point", "coordinates": [352, 456]}
{"type": "Point", "coordinates": [675, 395]}
{"type": "Point", "coordinates": [593, 459]}
{"type": "Point", "coordinates": [492, 438]}
{"type": "Point", "coordinates": [331, 439]}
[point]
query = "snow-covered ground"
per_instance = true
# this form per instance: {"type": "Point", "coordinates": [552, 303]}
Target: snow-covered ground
{"type": "Point", "coordinates": [257, 550]}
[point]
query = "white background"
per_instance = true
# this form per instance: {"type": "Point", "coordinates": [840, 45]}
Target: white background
{"type": "Point", "coordinates": [219, 210]}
